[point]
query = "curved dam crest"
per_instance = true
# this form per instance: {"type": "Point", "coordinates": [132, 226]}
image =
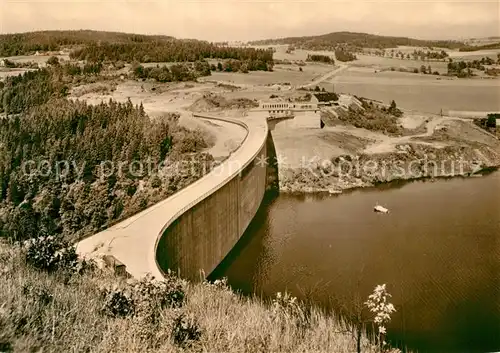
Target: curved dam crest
{"type": "Point", "coordinates": [196, 242]}
{"type": "Point", "coordinates": [193, 230]}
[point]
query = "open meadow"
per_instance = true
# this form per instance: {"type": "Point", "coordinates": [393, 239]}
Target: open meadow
{"type": "Point", "coordinates": [281, 74]}
{"type": "Point", "coordinates": [38, 59]}
{"type": "Point", "coordinates": [280, 52]}
{"type": "Point", "coordinates": [41, 60]}
{"type": "Point", "coordinates": [383, 63]}
{"type": "Point", "coordinates": [11, 72]}
{"type": "Point", "coordinates": [474, 55]}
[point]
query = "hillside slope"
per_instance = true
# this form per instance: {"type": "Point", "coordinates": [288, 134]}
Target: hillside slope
{"type": "Point", "coordinates": [24, 43]}
{"type": "Point", "coordinates": [361, 40]}
{"type": "Point", "coordinates": [98, 312]}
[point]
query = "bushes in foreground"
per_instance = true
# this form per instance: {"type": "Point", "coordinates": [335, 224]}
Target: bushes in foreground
{"type": "Point", "coordinates": [54, 313]}
{"type": "Point", "coordinates": [50, 253]}
{"type": "Point", "coordinates": [66, 310]}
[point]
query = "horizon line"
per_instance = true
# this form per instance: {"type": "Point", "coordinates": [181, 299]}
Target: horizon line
{"type": "Point", "coordinates": [456, 39]}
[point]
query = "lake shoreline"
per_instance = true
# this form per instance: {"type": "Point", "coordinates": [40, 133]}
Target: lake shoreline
{"type": "Point", "coordinates": [392, 183]}
{"type": "Point", "coordinates": [411, 162]}
{"type": "Point", "coordinates": [323, 249]}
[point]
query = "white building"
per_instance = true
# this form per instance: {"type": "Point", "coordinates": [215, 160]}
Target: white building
{"type": "Point", "coordinates": [304, 114]}
{"type": "Point", "coordinates": [287, 108]}
{"type": "Point", "coordinates": [288, 105]}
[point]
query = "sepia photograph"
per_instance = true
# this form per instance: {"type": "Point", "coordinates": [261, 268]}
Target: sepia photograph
{"type": "Point", "coordinates": [250, 176]}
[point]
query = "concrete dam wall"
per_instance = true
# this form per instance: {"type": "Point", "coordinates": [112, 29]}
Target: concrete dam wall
{"type": "Point", "coordinates": [196, 242]}
{"type": "Point", "coordinates": [193, 230]}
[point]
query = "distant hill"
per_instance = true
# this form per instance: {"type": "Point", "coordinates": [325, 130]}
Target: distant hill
{"type": "Point", "coordinates": [358, 40]}
{"type": "Point", "coordinates": [30, 42]}
{"type": "Point", "coordinates": [99, 46]}
{"type": "Point", "coordinates": [477, 47]}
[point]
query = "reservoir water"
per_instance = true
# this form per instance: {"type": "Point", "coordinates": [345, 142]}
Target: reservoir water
{"type": "Point", "coordinates": [438, 251]}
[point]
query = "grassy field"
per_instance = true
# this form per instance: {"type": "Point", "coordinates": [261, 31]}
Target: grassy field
{"type": "Point", "coordinates": [386, 63]}
{"type": "Point", "coordinates": [11, 72]}
{"type": "Point", "coordinates": [280, 74]}
{"type": "Point", "coordinates": [474, 55]}
{"type": "Point", "coordinates": [63, 312]}
{"type": "Point", "coordinates": [35, 58]}
{"type": "Point", "coordinates": [483, 41]}
{"type": "Point", "coordinates": [298, 54]}
{"type": "Point", "coordinates": [38, 59]}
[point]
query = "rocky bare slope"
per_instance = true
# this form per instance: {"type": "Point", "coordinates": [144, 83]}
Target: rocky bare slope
{"type": "Point", "coordinates": [453, 148]}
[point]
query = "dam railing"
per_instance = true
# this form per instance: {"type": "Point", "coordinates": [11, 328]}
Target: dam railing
{"type": "Point", "coordinates": [134, 241]}
{"type": "Point", "coordinates": [159, 272]}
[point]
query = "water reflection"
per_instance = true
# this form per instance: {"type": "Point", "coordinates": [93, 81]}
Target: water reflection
{"type": "Point", "coordinates": [438, 251]}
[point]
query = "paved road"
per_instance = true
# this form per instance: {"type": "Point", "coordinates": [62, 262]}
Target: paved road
{"type": "Point", "coordinates": [133, 241]}
{"type": "Point", "coordinates": [326, 76]}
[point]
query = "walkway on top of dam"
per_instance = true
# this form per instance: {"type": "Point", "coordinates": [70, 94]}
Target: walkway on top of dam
{"type": "Point", "coordinates": [133, 241]}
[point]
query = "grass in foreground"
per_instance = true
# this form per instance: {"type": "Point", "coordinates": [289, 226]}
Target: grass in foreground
{"type": "Point", "coordinates": [64, 311]}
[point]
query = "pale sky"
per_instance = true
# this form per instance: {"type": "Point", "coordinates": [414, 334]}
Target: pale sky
{"type": "Point", "coordinates": [218, 20]}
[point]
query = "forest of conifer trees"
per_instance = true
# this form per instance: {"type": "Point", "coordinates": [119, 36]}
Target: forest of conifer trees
{"type": "Point", "coordinates": [52, 149]}
{"type": "Point", "coordinates": [52, 152]}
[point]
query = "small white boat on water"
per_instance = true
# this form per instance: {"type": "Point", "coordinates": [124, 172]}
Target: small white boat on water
{"type": "Point", "coordinates": [334, 191]}
{"type": "Point", "coordinates": [380, 209]}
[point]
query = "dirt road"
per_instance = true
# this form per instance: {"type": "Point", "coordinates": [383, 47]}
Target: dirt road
{"type": "Point", "coordinates": [326, 76]}
{"type": "Point", "coordinates": [224, 137]}
{"type": "Point", "coordinates": [388, 144]}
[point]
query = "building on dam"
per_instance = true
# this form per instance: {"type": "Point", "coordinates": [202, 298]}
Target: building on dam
{"type": "Point", "coordinates": [304, 114]}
